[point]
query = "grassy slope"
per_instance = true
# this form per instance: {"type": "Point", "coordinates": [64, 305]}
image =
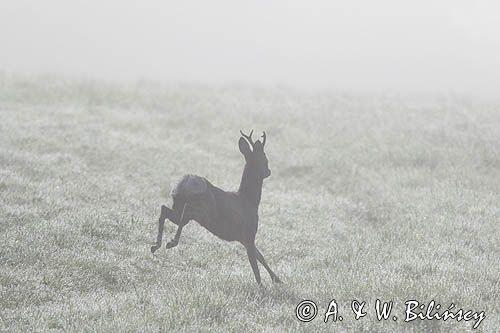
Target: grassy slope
{"type": "Point", "coordinates": [371, 197]}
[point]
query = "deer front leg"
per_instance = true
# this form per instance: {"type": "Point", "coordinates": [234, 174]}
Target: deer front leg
{"type": "Point", "coordinates": [261, 259]}
{"type": "Point", "coordinates": [252, 257]}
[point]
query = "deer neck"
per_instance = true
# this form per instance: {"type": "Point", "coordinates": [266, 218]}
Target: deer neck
{"type": "Point", "coordinates": [251, 185]}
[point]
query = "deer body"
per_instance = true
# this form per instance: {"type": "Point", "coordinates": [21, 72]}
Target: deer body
{"type": "Point", "coordinates": [231, 216]}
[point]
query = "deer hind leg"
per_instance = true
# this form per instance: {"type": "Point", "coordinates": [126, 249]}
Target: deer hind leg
{"type": "Point", "coordinates": [184, 219]}
{"type": "Point", "coordinates": [165, 213]}
{"type": "Point", "coordinates": [261, 259]}
{"type": "Point", "coordinates": [252, 257]}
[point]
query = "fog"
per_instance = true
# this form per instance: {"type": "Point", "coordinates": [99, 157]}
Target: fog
{"type": "Point", "coordinates": [349, 45]}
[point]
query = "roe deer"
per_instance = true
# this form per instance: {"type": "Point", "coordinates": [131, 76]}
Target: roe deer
{"type": "Point", "coordinates": [232, 216]}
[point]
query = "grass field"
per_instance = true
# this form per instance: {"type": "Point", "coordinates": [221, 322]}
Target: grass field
{"type": "Point", "coordinates": [374, 196]}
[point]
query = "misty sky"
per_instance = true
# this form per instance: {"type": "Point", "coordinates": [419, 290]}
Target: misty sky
{"type": "Point", "coordinates": [369, 45]}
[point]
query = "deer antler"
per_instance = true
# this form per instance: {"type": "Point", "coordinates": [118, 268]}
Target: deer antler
{"type": "Point", "coordinates": [248, 137]}
{"type": "Point", "coordinates": [263, 138]}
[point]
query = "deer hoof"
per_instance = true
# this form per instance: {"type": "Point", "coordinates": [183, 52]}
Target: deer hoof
{"type": "Point", "coordinates": [277, 280]}
{"type": "Point", "coordinates": [154, 248]}
{"type": "Point", "coordinates": [171, 244]}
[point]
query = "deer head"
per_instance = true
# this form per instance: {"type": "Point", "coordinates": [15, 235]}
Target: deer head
{"type": "Point", "coordinates": [254, 154]}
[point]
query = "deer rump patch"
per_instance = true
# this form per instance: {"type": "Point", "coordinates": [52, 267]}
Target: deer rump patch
{"type": "Point", "coordinates": [189, 186]}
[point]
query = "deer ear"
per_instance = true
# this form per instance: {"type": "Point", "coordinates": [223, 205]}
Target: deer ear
{"type": "Point", "coordinates": [244, 147]}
